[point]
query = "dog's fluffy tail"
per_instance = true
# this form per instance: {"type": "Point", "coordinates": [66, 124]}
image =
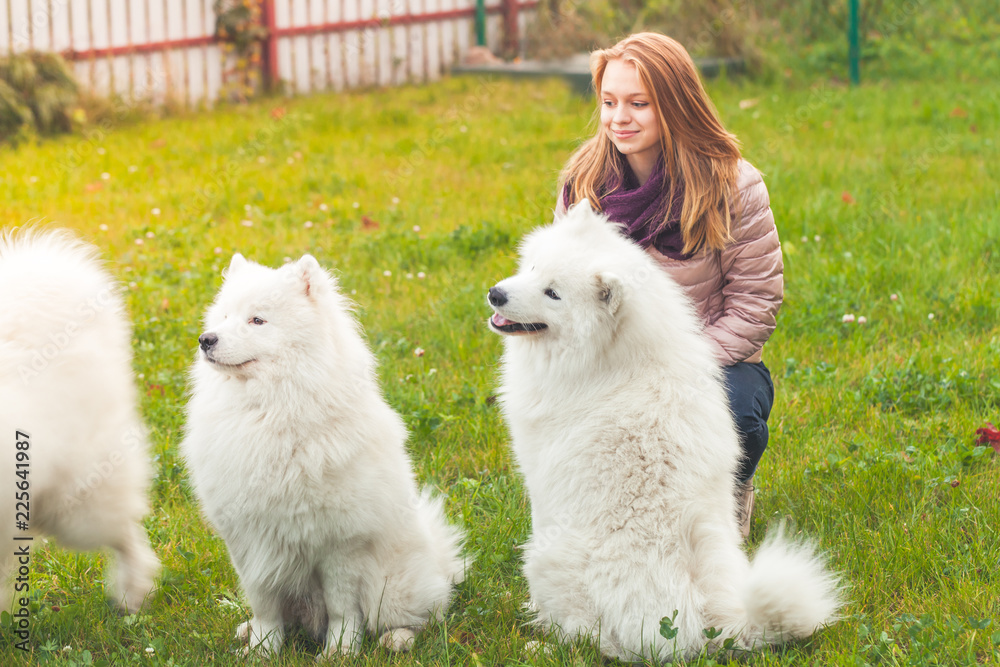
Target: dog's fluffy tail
{"type": "Point", "coordinates": [789, 593]}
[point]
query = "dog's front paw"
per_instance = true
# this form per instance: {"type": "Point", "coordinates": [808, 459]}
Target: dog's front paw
{"type": "Point", "coordinates": [398, 639]}
{"type": "Point", "coordinates": [243, 631]}
{"type": "Point", "coordinates": [538, 648]}
{"type": "Point", "coordinates": [338, 651]}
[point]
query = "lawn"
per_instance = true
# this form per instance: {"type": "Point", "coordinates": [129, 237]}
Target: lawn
{"type": "Point", "coordinates": [887, 199]}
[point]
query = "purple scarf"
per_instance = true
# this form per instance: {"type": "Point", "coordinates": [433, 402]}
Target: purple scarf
{"type": "Point", "coordinates": [640, 209]}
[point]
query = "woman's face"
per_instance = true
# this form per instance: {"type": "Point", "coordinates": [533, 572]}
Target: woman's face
{"type": "Point", "coordinates": [628, 116]}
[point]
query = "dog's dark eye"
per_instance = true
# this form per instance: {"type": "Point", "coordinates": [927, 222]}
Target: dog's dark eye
{"type": "Point", "coordinates": [551, 293]}
{"type": "Point", "coordinates": [257, 320]}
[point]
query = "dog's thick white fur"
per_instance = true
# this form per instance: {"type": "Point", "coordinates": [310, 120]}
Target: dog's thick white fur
{"type": "Point", "coordinates": [620, 425]}
{"type": "Point", "coordinates": [66, 381]}
{"type": "Point", "coordinates": [301, 466]}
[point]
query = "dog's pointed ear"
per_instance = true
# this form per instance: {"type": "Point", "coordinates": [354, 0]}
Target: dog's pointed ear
{"type": "Point", "coordinates": [235, 264]}
{"type": "Point", "coordinates": [610, 290]}
{"type": "Point", "coordinates": [310, 272]}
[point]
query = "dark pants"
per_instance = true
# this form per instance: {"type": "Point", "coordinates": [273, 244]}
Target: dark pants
{"type": "Point", "coordinates": [751, 394]}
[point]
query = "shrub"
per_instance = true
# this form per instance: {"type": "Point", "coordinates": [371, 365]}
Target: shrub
{"type": "Point", "coordinates": [37, 94]}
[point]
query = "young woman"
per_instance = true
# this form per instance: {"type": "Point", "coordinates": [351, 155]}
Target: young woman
{"type": "Point", "coordinates": [663, 167]}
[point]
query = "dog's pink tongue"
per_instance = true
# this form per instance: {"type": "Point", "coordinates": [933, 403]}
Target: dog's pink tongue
{"type": "Point", "coordinates": [500, 321]}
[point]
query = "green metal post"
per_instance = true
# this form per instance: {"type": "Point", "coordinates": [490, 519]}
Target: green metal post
{"type": "Point", "coordinates": [854, 53]}
{"type": "Point", "coordinates": [481, 22]}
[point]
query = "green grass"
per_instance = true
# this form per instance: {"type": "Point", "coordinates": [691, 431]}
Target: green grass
{"type": "Point", "coordinates": [881, 190]}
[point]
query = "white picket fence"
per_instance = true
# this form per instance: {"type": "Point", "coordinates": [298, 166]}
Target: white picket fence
{"type": "Point", "coordinates": [160, 49]}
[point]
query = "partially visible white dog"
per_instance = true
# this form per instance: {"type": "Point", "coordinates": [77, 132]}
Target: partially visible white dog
{"type": "Point", "coordinates": [301, 466]}
{"type": "Point", "coordinates": [74, 460]}
{"type": "Point", "coordinates": [620, 424]}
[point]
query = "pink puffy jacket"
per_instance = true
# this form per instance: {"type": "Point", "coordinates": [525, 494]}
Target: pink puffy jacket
{"type": "Point", "coordinates": [739, 289]}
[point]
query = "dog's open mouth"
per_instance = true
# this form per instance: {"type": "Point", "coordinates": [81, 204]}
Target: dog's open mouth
{"type": "Point", "coordinates": [501, 324]}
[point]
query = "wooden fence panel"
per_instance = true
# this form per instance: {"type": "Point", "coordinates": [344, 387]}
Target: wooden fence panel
{"type": "Point", "coordinates": [160, 50]}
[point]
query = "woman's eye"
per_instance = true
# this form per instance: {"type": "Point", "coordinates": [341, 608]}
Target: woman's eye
{"type": "Point", "coordinates": [551, 293]}
{"type": "Point", "coordinates": [257, 320]}
{"type": "Point", "coordinates": [640, 105]}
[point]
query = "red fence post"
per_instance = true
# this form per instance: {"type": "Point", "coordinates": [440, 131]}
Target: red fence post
{"type": "Point", "coordinates": [511, 31]}
{"type": "Point", "coordinates": [269, 47]}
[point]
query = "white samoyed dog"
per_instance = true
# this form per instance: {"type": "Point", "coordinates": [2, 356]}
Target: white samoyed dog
{"type": "Point", "coordinates": [301, 466]}
{"type": "Point", "coordinates": [75, 461]}
{"type": "Point", "coordinates": [620, 425]}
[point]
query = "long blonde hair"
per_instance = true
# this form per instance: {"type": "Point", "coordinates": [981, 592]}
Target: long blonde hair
{"type": "Point", "coordinates": [697, 150]}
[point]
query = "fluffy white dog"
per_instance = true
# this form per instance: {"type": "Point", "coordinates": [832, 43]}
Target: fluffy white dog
{"type": "Point", "coordinates": [620, 425]}
{"type": "Point", "coordinates": [301, 466]}
{"type": "Point", "coordinates": [74, 460]}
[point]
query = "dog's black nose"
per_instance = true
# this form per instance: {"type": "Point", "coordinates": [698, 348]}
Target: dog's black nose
{"type": "Point", "coordinates": [497, 296]}
{"type": "Point", "coordinates": [207, 340]}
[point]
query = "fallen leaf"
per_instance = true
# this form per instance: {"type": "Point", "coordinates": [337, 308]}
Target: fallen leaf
{"type": "Point", "coordinates": [159, 143]}
{"type": "Point", "coordinates": [846, 197]}
{"type": "Point", "coordinates": [368, 223]}
{"type": "Point", "coordinates": [94, 187]}
{"type": "Point", "coordinates": [278, 113]}
{"type": "Point", "coordinates": [958, 112]}
{"type": "Point", "coordinates": [165, 304]}
{"type": "Point", "coordinates": [989, 435]}
{"type": "Point", "coordinates": [973, 129]}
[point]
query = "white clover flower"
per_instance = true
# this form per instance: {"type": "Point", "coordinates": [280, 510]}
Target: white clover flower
{"type": "Point", "coordinates": [421, 275]}
{"type": "Point", "coordinates": [416, 228]}
{"type": "Point", "coordinates": [102, 227]}
{"type": "Point", "coordinates": [139, 241]}
{"type": "Point", "coordinates": [847, 318]}
{"type": "Point", "coordinates": [105, 176]}
{"type": "Point", "coordinates": [323, 207]}
{"type": "Point", "coordinates": [862, 320]}
{"type": "Point", "coordinates": [395, 200]}
{"type": "Point", "coordinates": [150, 235]}
{"type": "Point", "coordinates": [247, 223]}
{"type": "Point", "coordinates": [419, 352]}
{"type": "Point", "coordinates": [132, 169]}
{"type": "Point", "coordinates": [356, 205]}
{"type": "Point", "coordinates": [218, 250]}
{"type": "Point", "coordinates": [893, 297]}
{"type": "Point", "coordinates": [307, 224]}
{"type": "Point", "coordinates": [387, 273]}
{"type": "Point", "coordinates": [155, 211]}
{"type": "Point", "coordinates": [101, 150]}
